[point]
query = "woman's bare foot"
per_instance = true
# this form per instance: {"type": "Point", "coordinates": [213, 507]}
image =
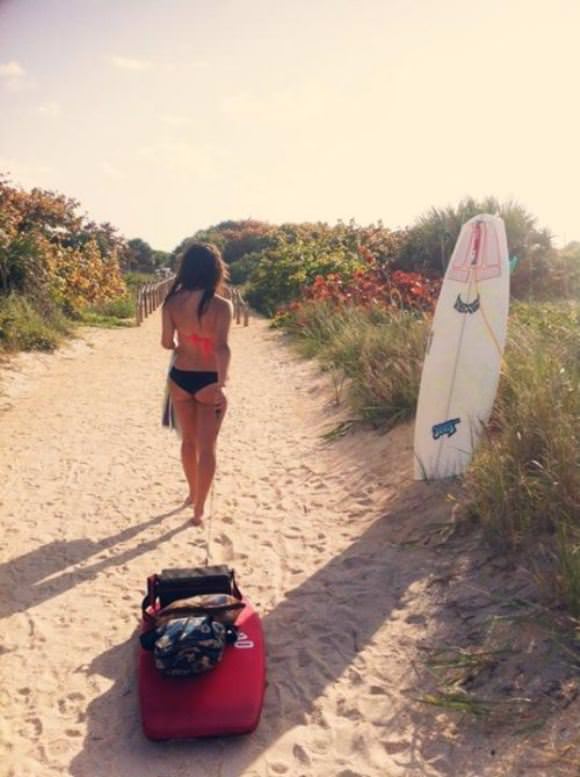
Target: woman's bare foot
{"type": "Point", "coordinates": [199, 515]}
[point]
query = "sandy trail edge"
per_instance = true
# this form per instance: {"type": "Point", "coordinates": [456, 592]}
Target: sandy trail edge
{"type": "Point", "coordinates": [313, 531]}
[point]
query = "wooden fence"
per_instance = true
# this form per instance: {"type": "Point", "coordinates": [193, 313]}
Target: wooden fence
{"type": "Point", "coordinates": [241, 308]}
{"type": "Point", "coordinates": [151, 296]}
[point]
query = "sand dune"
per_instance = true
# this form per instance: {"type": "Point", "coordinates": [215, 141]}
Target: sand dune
{"type": "Point", "coordinates": [328, 540]}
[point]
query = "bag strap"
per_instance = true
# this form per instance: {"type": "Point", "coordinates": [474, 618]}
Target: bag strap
{"type": "Point", "coordinates": [152, 591]}
{"type": "Point", "coordinates": [236, 591]}
{"type": "Point", "coordinates": [150, 597]}
{"type": "Point", "coordinates": [192, 609]}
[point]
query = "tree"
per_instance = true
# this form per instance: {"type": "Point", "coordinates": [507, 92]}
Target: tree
{"type": "Point", "coordinates": [51, 253]}
{"type": "Point", "coordinates": [139, 256]}
{"type": "Point", "coordinates": [430, 242]}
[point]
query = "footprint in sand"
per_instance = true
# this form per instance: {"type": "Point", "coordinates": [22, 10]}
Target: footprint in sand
{"type": "Point", "coordinates": [301, 755]}
{"type": "Point", "coordinates": [318, 718]}
{"type": "Point", "coordinates": [347, 710]}
{"type": "Point", "coordinates": [33, 727]}
{"type": "Point", "coordinates": [392, 748]}
{"type": "Point", "coordinates": [349, 773]}
{"type": "Point", "coordinates": [226, 547]}
{"type": "Point", "coordinates": [279, 767]}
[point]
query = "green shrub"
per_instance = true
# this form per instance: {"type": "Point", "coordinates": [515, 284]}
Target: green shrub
{"type": "Point", "coordinates": [29, 325]}
{"type": "Point", "coordinates": [241, 269]}
{"type": "Point", "coordinates": [122, 307]}
{"type": "Point", "coordinates": [115, 313]}
{"type": "Point", "coordinates": [134, 280]}
{"type": "Point", "coordinates": [283, 271]}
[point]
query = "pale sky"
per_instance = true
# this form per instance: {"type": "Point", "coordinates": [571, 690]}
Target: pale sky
{"type": "Point", "coordinates": [166, 116]}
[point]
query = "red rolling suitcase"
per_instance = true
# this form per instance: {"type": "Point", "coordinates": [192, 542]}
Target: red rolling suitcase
{"type": "Point", "coordinates": [226, 700]}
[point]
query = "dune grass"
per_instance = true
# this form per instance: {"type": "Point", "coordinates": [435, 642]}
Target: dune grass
{"type": "Point", "coordinates": [524, 483]}
{"type": "Point", "coordinates": [31, 323]}
{"type": "Point", "coordinates": [118, 312]}
{"type": "Point", "coordinates": [28, 324]}
{"type": "Point", "coordinates": [376, 354]}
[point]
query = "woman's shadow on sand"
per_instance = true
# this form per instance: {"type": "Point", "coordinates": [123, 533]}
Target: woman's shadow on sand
{"type": "Point", "coordinates": [32, 578]}
{"type": "Point", "coordinates": [321, 625]}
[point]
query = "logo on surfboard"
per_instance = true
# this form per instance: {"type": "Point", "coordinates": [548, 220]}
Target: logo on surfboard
{"type": "Point", "coordinates": [466, 307]}
{"type": "Point", "coordinates": [476, 263]}
{"type": "Point", "coordinates": [445, 428]}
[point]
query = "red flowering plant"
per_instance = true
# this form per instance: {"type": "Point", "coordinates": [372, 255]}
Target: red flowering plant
{"type": "Point", "coordinates": [368, 286]}
{"type": "Point", "coordinates": [376, 285]}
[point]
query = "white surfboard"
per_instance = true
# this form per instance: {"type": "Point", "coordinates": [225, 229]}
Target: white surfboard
{"type": "Point", "coordinates": [464, 352]}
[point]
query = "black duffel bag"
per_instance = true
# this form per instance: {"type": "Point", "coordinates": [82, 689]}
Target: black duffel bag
{"type": "Point", "coordinates": [173, 584]}
{"type": "Point", "coordinates": [189, 639]}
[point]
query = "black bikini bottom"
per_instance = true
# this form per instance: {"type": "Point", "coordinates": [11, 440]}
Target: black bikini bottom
{"type": "Point", "coordinates": [192, 381]}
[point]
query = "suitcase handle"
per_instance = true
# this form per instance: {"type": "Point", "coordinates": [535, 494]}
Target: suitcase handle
{"type": "Point", "coordinates": [152, 590]}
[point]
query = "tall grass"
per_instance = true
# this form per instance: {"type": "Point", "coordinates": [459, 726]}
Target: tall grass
{"type": "Point", "coordinates": [379, 353]}
{"type": "Point", "coordinates": [524, 482]}
{"type": "Point", "coordinates": [29, 324]}
{"type": "Point", "coordinates": [114, 313]}
{"type": "Point", "coordinates": [526, 476]}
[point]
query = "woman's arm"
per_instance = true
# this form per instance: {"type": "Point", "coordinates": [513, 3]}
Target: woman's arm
{"type": "Point", "coordinates": [222, 348]}
{"type": "Point", "coordinates": [167, 329]}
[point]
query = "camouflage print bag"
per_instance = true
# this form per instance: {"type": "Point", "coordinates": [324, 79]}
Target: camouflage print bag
{"type": "Point", "coordinates": [188, 646]}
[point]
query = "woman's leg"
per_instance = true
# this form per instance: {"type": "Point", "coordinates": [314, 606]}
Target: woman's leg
{"type": "Point", "coordinates": [186, 411]}
{"type": "Point", "coordinates": [208, 426]}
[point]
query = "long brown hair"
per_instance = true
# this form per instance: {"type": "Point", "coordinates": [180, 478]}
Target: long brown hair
{"type": "Point", "coordinates": [201, 269]}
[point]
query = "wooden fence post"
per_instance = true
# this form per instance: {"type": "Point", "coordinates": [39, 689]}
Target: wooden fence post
{"type": "Point", "coordinates": [237, 305]}
{"type": "Point", "coordinates": [241, 308]}
{"type": "Point", "coordinates": [149, 297]}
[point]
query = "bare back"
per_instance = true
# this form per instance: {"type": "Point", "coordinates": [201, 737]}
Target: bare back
{"type": "Point", "coordinates": [197, 339]}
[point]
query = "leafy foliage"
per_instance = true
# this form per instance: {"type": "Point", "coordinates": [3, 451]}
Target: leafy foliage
{"type": "Point", "coordinates": [304, 253]}
{"type": "Point", "coordinates": [375, 285]}
{"type": "Point", "coordinates": [138, 256]}
{"type": "Point", "coordinates": [48, 251]}
{"type": "Point", "coordinates": [235, 239]}
{"type": "Point", "coordinates": [430, 241]}
{"type": "Point", "coordinates": [27, 325]}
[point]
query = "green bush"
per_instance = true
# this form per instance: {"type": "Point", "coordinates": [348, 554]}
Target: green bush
{"type": "Point", "coordinates": [115, 313]}
{"type": "Point", "coordinates": [285, 270]}
{"type": "Point", "coordinates": [242, 269]}
{"type": "Point", "coordinates": [134, 280]}
{"type": "Point", "coordinates": [122, 307]}
{"type": "Point", "coordinates": [30, 326]}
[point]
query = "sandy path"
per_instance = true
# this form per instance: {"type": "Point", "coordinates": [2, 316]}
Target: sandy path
{"type": "Point", "coordinates": [311, 529]}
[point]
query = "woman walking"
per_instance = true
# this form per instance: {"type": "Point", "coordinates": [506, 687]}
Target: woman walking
{"type": "Point", "coordinates": [196, 324]}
